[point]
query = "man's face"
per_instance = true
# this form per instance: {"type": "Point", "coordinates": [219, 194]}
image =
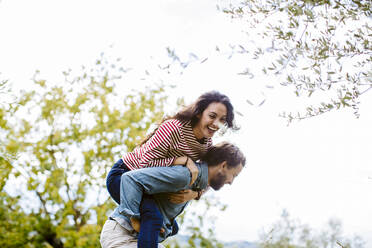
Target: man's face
{"type": "Point", "coordinates": [224, 175]}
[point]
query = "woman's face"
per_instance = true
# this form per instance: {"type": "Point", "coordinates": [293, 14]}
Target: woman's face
{"type": "Point", "coordinates": [210, 121]}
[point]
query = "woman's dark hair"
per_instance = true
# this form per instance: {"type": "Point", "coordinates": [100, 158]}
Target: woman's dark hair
{"type": "Point", "coordinates": [192, 111]}
{"type": "Point", "coordinates": [224, 151]}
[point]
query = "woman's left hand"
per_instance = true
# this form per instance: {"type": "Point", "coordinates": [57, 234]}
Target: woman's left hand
{"type": "Point", "coordinates": [182, 196]}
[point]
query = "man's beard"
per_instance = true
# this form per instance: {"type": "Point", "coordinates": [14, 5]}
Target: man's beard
{"type": "Point", "coordinates": [218, 181]}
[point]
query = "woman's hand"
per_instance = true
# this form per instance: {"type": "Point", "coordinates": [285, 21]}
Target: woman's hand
{"type": "Point", "coordinates": [194, 171]}
{"type": "Point", "coordinates": [182, 196]}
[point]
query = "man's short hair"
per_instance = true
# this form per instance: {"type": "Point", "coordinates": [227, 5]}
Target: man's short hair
{"type": "Point", "coordinates": [224, 151]}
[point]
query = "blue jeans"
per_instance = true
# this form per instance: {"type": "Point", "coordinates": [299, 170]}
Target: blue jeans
{"type": "Point", "coordinates": [151, 218]}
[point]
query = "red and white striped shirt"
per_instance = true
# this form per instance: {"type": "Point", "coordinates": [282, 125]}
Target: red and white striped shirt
{"type": "Point", "coordinates": [171, 140]}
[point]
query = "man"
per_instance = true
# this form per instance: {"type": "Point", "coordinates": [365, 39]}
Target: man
{"type": "Point", "coordinates": [221, 164]}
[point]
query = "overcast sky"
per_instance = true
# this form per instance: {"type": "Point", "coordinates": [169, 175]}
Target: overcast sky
{"type": "Point", "coordinates": [317, 168]}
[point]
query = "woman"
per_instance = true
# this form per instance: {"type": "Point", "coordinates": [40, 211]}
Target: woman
{"type": "Point", "coordinates": [180, 139]}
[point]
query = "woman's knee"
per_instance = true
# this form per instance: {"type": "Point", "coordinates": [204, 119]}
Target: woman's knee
{"type": "Point", "coordinates": [114, 178]}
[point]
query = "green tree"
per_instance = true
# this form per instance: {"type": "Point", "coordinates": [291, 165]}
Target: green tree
{"type": "Point", "coordinates": [5, 156]}
{"type": "Point", "coordinates": [321, 48]}
{"type": "Point", "coordinates": [291, 233]}
{"type": "Point", "coordinates": [66, 137]}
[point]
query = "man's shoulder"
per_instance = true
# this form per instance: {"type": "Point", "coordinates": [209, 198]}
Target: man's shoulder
{"type": "Point", "coordinates": [202, 182]}
{"type": "Point", "coordinates": [180, 175]}
{"type": "Point", "coordinates": [178, 170]}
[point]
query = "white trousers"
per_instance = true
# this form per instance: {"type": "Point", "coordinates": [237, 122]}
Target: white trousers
{"type": "Point", "coordinates": [114, 235]}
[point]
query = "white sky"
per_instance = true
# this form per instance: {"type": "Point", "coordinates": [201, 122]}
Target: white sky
{"type": "Point", "coordinates": [317, 169]}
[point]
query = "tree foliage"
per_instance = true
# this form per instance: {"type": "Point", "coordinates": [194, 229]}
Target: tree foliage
{"type": "Point", "coordinates": [318, 47]}
{"type": "Point", "coordinates": [65, 138]}
{"type": "Point", "coordinates": [290, 233]}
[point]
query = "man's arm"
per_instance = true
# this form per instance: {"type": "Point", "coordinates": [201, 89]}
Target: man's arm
{"type": "Point", "coordinates": [150, 181]}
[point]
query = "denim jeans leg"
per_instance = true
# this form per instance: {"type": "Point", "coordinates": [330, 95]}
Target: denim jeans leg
{"type": "Point", "coordinates": [113, 179]}
{"type": "Point", "coordinates": [151, 222]}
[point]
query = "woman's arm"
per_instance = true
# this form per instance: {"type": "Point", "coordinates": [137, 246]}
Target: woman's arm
{"type": "Point", "coordinates": [156, 148]}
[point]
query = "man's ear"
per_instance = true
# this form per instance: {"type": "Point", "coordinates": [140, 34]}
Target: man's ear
{"type": "Point", "coordinates": [224, 165]}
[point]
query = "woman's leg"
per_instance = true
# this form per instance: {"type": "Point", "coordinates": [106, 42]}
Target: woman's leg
{"type": "Point", "coordinates": [113, 179]}
{"type": "Point", "coordinates": [151, 223]}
